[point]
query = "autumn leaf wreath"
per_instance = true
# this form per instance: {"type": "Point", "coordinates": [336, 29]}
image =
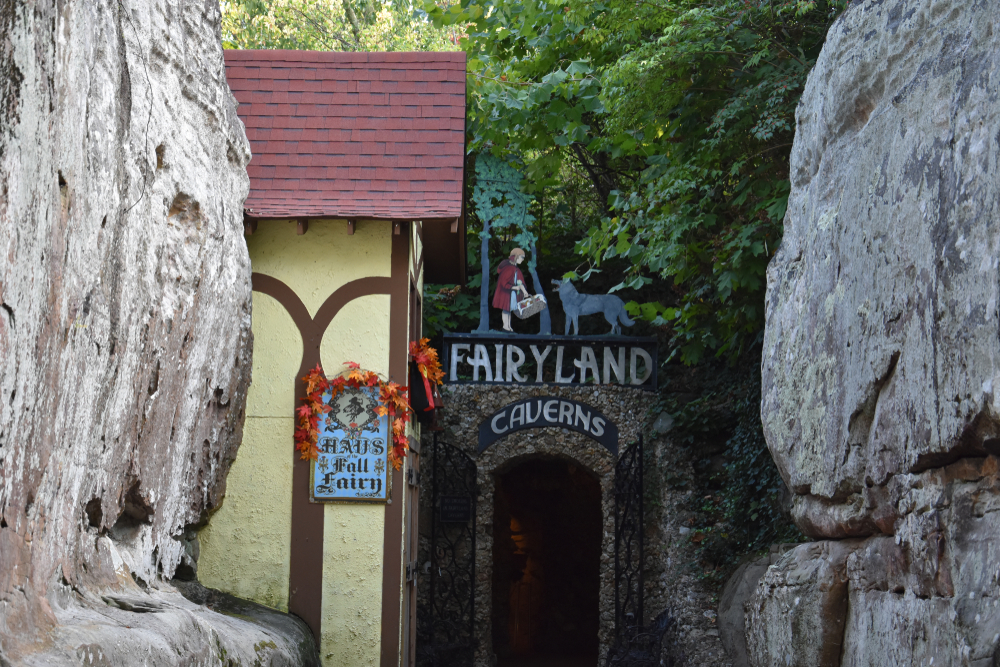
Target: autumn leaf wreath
{"type": "Point", "coordinates": [391, 399]}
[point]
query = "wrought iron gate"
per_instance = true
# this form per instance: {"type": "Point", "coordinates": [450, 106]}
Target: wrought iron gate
{"type": "Point", "coordinates": [445, 636]}
{"type": "Point", "coordinates": [628, 542]}
{"type": "Point", "coordinates": [634, 644]}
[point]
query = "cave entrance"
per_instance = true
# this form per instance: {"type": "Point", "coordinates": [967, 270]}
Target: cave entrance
{"type": "Point", "coordinates": [547, 527]}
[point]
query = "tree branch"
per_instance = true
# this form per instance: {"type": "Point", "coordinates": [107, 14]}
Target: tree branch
{"type": "Point", "coordinates": [353, 18]}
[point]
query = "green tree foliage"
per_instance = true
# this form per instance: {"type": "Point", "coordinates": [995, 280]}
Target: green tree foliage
{"type": "Point", "coordinates": [448, 308]}
{"type": "Point", "coordinates": [680, 114]}
{"type": "Point", "coordinates": [333, 25]}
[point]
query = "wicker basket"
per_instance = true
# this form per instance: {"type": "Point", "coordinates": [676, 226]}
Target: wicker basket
{"type": "Point", "coordinates": [532, 305]}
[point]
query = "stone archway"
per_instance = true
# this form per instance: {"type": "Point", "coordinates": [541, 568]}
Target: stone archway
{"type": "Point", "coordinates": [546, 444]}
{"type": "Point", "coordinates": [466, 406]}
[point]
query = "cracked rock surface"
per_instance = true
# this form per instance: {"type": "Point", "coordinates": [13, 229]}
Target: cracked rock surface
{"type": "Point", "coordinates": [881, 369]}
{"type": "Point", "coordinates": [124, 329]}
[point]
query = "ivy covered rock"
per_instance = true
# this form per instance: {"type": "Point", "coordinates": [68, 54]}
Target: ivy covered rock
{"type": "Point", "coordinates": [880, 368]}
{"type": "Point", "coordinates": [124, 329]}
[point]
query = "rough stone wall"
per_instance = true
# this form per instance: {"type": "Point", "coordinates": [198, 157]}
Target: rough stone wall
{"type": "Point", "coordinates": [670, 581]}
{"type": "Point", "coordinates": [672, 571]}
{"type": "Point", "coordinates": [124, 317]}
{"type": "Point", "coordinates": [881, 348]}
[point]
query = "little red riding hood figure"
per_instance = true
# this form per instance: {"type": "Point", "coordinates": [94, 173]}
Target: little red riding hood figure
{"type": "Point", "coordinates": [510, 282]}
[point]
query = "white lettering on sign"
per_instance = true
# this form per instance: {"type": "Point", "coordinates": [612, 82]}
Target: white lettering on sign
{"type": "Point", "coordinates": [539, 359]}
{"type": "Point", "coordinates": [498, 368]}
{"type": "Point", "coordinates": [647, 360]}
{"type": "Point", "coordinates": [574, 362]}
{"type": "Point", "coordinates": [566, 413]}
{"type": "Point", "coordinates": [498, 417]}
{"type": "Point", "coordinates": [513, 366]}
{"type": "Point", "coordinates": [527, 413]}
{"type": "Point", "coordinates": [456, 358]}
{"type": "Point", "coordinates": [551, 412]}
{"type": "Point", "coordinates": [559, 363]}
{"type": "Point", "coordinates": [481, 361]}
{"type": "Point", "coordinates": [587, 361]}
{"type": "Point", "coordinates": [517, 416]}
{"type": "Point", "coordinates": [609, 363]}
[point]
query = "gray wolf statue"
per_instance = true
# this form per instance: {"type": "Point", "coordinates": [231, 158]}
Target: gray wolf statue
{"type": "Point", "coordinates": [576, 304]}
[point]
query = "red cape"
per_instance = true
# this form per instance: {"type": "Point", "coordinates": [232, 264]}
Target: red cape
{"type": "Point", "coordinates": [509, 276]}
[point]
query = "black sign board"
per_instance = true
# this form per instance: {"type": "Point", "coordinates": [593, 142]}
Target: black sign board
{"type": "Point", "coordinates": [454, 509]}
{"type": "Point", "coordinates": [554, 360]}
{"type": "Point", "coordinates": [549, 411]}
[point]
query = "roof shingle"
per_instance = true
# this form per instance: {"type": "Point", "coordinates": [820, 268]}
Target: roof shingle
{"type": "Point", "coordinates": [352, 135]}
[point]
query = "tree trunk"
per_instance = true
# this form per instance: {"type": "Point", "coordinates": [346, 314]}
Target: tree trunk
{"type": "Point", "coordinates": [484, 289]}
{"type": "Point", "coordinates": [544, 317]}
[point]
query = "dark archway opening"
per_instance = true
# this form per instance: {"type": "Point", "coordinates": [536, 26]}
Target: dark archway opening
{"type": "Point", "coordinates": [547, 529]}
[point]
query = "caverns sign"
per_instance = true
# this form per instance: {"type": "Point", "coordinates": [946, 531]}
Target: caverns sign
{"type": "Point", "coordinates": [560, 360]}
{"type": "Point", "coordinates": [549, 411]}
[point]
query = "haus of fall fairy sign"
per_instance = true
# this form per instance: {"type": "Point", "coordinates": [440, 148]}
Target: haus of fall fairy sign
{"type": "Point", "coordinates": [353, 444]}
{"type": "Point", "coordinates": [352, 428]}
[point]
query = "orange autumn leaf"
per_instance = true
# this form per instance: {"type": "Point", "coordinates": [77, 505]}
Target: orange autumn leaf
{"type": "Point", "coordinates": [391, 396]}
{"type": "Point", "coordinates": [314, 379]}
{"type": "Point", "coordinates": [426, 358]}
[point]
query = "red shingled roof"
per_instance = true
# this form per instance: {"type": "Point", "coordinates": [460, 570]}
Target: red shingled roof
{"type": "Point", "coordinates": [352, 135]}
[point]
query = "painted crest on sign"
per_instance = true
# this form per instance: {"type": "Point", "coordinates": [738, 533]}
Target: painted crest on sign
{"type": "Point", "coordinates": [353, 450]}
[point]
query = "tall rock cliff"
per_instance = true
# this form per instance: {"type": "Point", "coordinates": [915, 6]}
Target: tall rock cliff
{"type": "Point", "coordinates": [124, 328]}
{"type": "Point", "coordinates": [881, 371]}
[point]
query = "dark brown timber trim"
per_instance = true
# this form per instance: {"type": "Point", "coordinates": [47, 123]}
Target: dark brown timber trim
{"type": "Point", "coordinates": [419, 263]}
{"type": "Point", "coordinates": [392, 558]}
{"type": "Point", "coordinates": [305, 580]}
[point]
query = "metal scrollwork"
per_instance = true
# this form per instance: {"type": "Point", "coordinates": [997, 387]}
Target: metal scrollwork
{"type": "Point", "coordinates": [628, 542]}
{"type": "Point", "coordinates": [633, 643]}
{"type": "Point", "coordinates": [445, 636]}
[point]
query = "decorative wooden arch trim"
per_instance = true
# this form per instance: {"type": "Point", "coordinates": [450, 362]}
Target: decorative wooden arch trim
{"type": "Point", "coordinates": [305, 584]}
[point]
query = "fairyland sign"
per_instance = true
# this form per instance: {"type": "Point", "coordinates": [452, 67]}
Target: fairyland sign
{"type": "Point", "coordinates": [561, 360]}
{"type": "Point", "coordinates": [353, 447]}
{"type": "Point", "coordinates": [543, 411]}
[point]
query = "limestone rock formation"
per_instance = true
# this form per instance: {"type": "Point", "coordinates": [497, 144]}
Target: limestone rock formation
{"type": "Point", "coordinates": [881, 371]}
{"type": "Point", "coordinates": [124, 325]}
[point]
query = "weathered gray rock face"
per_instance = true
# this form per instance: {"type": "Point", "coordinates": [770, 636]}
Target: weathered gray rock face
{"type": "Point", "coordinates": [881, 368]}
{"type": "Point", "coordinates": [124, 315]}
{"type": "Point", "coordinates": [166, 627]}
{"type": "Point", "coordinates": [740, 587]}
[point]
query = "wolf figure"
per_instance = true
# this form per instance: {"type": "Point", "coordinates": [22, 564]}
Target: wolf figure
{"type": "Point", "coordinates": [576, 304]}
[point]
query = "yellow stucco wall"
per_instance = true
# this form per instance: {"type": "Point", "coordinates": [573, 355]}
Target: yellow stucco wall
{"type": "Point", "coordinates": [315, 264]}
{"type": "Point", "coordinates": [245, 548]}
{"type": "Point", "coordinates": [353, 538]}
{"type": "Point", "coordinates": [354, 535]}
{"type": "Point", "coordinates": [358, 333]}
